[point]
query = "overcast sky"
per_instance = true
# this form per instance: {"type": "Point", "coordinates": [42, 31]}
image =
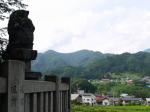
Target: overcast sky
{"type": "Point", "coordinates": [108, 26]}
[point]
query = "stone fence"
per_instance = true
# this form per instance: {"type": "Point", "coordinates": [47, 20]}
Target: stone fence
{"type": "Point", "coordinates": [18, 94]}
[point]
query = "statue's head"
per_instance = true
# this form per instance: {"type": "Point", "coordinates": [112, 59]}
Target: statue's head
{"type": "Point", "coordinates": [19, 14]}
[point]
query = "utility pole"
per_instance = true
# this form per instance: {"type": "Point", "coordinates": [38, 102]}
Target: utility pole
{"type": "Point", "coordinates": [113, 97]}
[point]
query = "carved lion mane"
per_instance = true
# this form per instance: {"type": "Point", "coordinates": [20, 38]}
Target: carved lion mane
{"type": "Point", "coordinates": [20, 30]}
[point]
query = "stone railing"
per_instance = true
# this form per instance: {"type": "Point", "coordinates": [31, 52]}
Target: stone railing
{"type": "Point", "coordinates": [18, 94]}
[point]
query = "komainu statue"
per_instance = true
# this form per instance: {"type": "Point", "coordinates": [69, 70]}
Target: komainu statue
{"type": "Point", "coordinates": [20, 30]}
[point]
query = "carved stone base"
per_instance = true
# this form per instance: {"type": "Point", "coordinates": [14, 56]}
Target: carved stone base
{"type": "Point", "coordinates": [20, 54]}
{"type": "Point", "coordinates": [33, 75]}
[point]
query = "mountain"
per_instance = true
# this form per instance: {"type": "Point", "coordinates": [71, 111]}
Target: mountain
{"type": "Point", "coordinates": [52, 60]}
{"type": "Point", "coordinates": [124, 63]}
{"type": "Point", "coordinates": [92, 65]}
{"type": "Point", "coordinates": [147, 50]}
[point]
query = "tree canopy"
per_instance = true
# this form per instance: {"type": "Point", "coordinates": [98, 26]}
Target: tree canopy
{"type": "Point", "coordinates": [82, 84]}
{"type": "Point", "coordinates": [6, 7]}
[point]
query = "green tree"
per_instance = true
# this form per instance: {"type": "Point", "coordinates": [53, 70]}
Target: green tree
{"type": "Point", "coordinates": [137, 91]}
{"type": "Point", "coordinates": [103, 87]}
{"type": "Point", "coordinates": [82, 84]}
{"type": "Point", "coordinates": [3, 44]}
{"type": "Point", "coordinates": [6, 7]}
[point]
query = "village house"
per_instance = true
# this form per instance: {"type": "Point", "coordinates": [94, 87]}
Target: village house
{"type": "Point", "coordinates": [103, 100]}
{"type": "Point", "coordinates": [147, 101]}
{"type": "Point", "coordinates": [87, 98]}
{"type": "Point", "coordinates": [91, 99]}
{"type": "Point", "coordinates": [129, 81]}
{"type": "Point", "coordinates": [125, 101]}
{"type": "Point", "coordinates": [99, 99]}
{"type": "Point", "coordinates": [74, 97]}
{"type": "Point", "coordinates": [106, 102]}
{"type": "Point", "coordinates": [124, 95]}
{"type": "Point", "coordinates": [128, 100]}
{"type": "Point", "coordinates": [115, 101]}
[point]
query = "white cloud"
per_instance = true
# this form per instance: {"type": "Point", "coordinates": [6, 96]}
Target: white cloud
{"type": "Point", "coordinates": [104, 25]}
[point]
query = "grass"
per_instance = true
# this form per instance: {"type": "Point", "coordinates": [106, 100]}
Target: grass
{"type": "Point", "coordinates": [83, 108]}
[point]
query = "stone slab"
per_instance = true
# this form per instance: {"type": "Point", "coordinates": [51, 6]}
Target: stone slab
{"type": "Point", "coordinates": [33, 75]}
{"type": "Point", "coordinates": [20, 54]}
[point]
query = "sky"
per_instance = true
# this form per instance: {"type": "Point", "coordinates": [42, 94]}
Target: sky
{"type": "Point", "coordinates": [108, 26]}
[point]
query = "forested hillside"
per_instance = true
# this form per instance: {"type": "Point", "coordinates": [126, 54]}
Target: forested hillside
{"type": "Point", "coordinates": [52, 60]}
{"type": "Point", "coordinates": [92, 65]}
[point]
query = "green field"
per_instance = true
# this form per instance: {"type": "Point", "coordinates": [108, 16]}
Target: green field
{"type": "Point", "coordinates": [82, 108]}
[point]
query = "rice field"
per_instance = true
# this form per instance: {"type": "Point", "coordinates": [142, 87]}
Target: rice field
{"type": "Point", "coordinates": [83, 108]}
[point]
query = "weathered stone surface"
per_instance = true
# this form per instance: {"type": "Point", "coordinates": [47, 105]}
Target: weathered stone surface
{"type": "Point", "coordinates": [20, 30]}
{"type": "Point", "coordinates": [51, 95]}
{"type": "Point", "coordinates": [15, 79]}
{"type": "Point", "coordinates": [20, 54]}
{"type": "Point", "coordinates": [33, 75]}
{"type": "Point", "coordinates": [65, 80]}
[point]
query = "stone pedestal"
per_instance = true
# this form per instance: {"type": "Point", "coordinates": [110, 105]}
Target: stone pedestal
{"type": "Point", "coordinates": [15, 74]}
{"type": "Point", "coordinates": [20, 54]}
{"type": "Point", "coordinates": [56, 102]}
{"type": "Point", "coordinates": [25, 55]}
{"type": "Point", "coordinates": [33, 75]}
